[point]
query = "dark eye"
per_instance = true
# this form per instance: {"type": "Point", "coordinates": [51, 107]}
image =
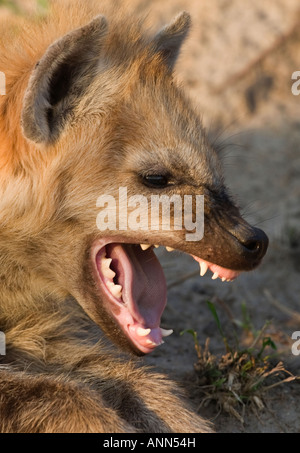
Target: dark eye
{"type": "Point", "coordinates": [156, 181]}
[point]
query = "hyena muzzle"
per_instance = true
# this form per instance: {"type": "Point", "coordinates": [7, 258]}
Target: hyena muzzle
{"type": "Point", "coordinates": [91, 107]}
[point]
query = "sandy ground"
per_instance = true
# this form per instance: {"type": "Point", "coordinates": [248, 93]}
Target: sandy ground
{"type": "Point", "coordinates": [237, 66]}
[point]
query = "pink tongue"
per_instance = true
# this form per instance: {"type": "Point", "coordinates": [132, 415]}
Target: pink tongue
{"type": "Point", "coordinates": [141, 276]}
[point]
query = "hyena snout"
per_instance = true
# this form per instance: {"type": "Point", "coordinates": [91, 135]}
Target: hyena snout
{"type": "Point", "coordinates": [251, 242]}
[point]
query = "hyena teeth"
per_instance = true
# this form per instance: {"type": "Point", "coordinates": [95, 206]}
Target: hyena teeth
{"type": "Point", "coordinates": [169, 249]}
{"type": "Point", "coordinates": [116, 290]}
{"type": "Point", "coordinates": [152, 343]}
{"type": "Point", "coordinates": [145, 246]}
{"type": "Point", "coordinates": [142, 332]}
{"type": "Point", "coordinates": [107, 272]}
{"type": "Point", "coordinates": [156, 246]}
{"type": "Point", "coordinates": [106, 262]}
{"type": "Point", "coordinates": [223, 279]}
{"type": "Point", "coordinates": [165, 332]}
{"type": "Point", "coordinates": [215, 276]}
{"type": "Point", "coordinates": [203, 268]}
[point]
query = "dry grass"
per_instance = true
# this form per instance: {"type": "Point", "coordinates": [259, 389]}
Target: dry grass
{"type": "Point", "coordinates": [240, 379]}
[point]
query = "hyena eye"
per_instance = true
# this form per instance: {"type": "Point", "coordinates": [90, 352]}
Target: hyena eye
{"type": "Point", "coordinates": [156, 181]}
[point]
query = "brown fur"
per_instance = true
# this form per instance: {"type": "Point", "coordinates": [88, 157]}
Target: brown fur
{"type": "Point", "coordinates": [120, 113]}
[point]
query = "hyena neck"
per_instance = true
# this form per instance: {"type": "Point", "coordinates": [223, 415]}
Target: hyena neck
{"type": "Point", "coordinates": [38, 323]}
{"type": "Point", "coordinates": [23, 293]}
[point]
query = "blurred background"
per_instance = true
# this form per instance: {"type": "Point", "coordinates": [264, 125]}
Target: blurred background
{"type": "Point", "coordinates": [237, 68]}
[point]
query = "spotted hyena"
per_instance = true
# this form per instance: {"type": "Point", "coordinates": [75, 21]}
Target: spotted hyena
{"type": "Point", "coordinates": [91, 106]}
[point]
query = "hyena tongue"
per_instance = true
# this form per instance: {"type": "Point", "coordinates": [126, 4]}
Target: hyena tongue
{"type": "Point", "coordinates": [144, 293]}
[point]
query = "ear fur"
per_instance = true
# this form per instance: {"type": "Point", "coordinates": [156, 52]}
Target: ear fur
{"type": "Point", "coordinates": [59, 78]}
{"type": "Point", "coordinates": [170, 39]}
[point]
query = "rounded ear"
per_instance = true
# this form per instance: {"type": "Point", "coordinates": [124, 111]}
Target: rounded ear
{"type": "Point", "coordinates": [59, 79]}
{"type": "Point", "coordinates": [170, 39]}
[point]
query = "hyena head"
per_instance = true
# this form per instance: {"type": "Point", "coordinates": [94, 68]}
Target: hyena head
{"type": "Point", "coordinates": [109, 132]}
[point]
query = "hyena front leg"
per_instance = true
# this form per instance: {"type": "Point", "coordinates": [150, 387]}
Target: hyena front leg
{"type": "Point", "coordinates": [146, 400]}
{"type": "Point", "coordinates": [30, 404]}
{"type": "Point", "coordinates": [165, 399]}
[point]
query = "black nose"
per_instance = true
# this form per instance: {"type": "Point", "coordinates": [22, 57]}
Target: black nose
{"type": "Point", "coordinates": [254, 241]}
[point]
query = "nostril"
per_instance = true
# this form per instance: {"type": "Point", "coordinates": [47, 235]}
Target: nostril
{"type": "Point", "coordinates": [257, 243]}
{"type": "Point", "coordinates": [253, 245]}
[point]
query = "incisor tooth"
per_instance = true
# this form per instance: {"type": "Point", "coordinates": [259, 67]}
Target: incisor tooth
{"type": "Point", "coordinates": [223, 279]}
{"type": "Point", "coordinates": [145, 246]}
{"type": "Point", "coordinates": [142, 332]}
{"type": "Point", "coordinates": [166, 333]}
{"type": "Point", "coordinates": [203, 268]}
{"type": "Point", "coordinates": [151, 343]}
{"type": "Point", "coordinates": [215, 276]}
{"type": "Point", "coordinates": [169, 249]}
{"type": "Point", "coordinates": [156, 246]}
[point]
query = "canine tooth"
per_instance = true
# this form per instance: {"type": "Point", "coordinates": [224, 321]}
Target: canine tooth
{"type": "Point", "coordinates": [166, 333]}
{"type": "Point", "coordinates": [169, 249]}
{"type": "Point", "coordinates": [203, 268]}
{"type": "Point", "coordinates": [142, 332]}
{"type": "Point", "coordinates": [215, 276]}
{"type": "Point", "coordinates": [145, 246]}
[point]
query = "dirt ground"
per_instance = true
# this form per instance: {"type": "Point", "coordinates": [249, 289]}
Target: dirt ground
{"type": "Point", "coordinates": [237, 66]}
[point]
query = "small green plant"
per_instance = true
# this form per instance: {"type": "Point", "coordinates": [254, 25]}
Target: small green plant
{"type": "Point", "coordinates": [239, 378]}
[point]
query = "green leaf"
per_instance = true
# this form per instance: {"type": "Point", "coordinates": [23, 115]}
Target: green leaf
{"type": "Point", "coordinates": [215, 315]}
{"type": "Point", "coordinates": [248, 366]}
{"type": "Point", "coordinates": [219, 382]}
{"type": "Point", "coordinates": [267, 341]}
{"type": "Point", "coordinates": [191, 332]}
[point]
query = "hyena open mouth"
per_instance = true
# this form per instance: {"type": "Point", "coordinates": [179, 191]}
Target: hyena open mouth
{"type": "Point", "coordinates": [133, 289]}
